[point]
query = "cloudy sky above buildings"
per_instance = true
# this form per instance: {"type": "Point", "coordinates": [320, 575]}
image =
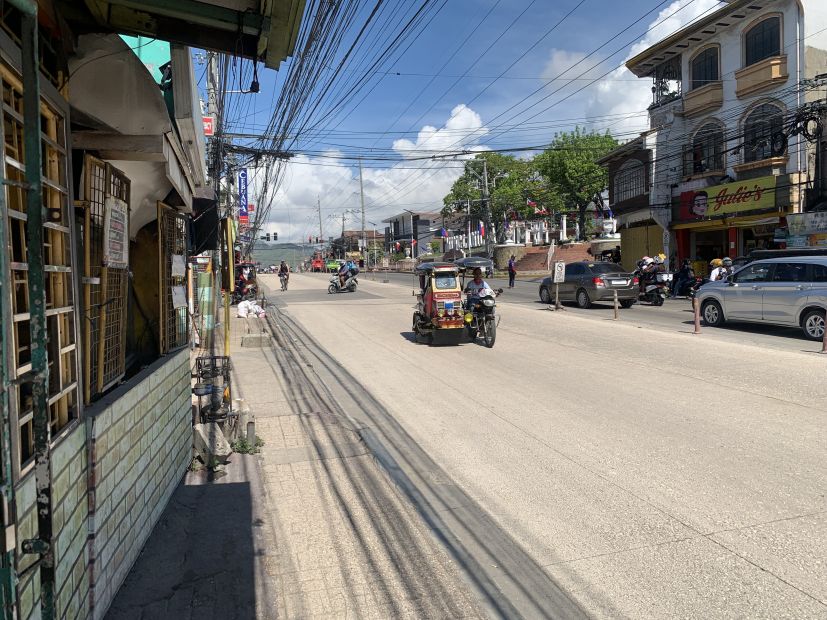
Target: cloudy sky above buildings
{"type": "Point", "coordinates": [450, 94]}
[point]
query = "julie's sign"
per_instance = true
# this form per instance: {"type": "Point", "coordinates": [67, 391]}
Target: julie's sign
{"type": "Point", "coordinates": [750, 195]}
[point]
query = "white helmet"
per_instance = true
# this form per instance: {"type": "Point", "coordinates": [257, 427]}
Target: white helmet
{"type": "Point", "coordinates": [647, 260]}
{"type": "Point", "coordinates": [658, 260]}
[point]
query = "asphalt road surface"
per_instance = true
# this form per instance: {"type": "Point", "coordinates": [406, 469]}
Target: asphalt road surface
{"type": "Point", "coordinates": [583, 465]}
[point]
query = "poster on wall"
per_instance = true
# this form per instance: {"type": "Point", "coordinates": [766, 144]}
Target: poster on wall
{"type": "Point", "coordinates": [729, 198]}
{"type": "Point", "coordinates": [179, 297]}
{"type": "Point", "coordinates": [116, 233]}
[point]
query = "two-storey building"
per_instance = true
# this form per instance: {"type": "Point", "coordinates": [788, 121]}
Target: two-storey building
{"type": "Point", "coordinates": [723, 162]}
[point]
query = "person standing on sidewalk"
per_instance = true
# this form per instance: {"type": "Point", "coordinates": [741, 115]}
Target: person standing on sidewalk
{"type": "Point", "coordinates": [512, 271]}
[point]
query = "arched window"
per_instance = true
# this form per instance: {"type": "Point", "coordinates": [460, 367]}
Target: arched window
{"type": "Point", "coordinates": [629, 181]}
{"type": "Point", "coordinates": [762, 41]}
{"type": "Point", "coordinates": [761, 125]}
{"type": "Point", "coordinates": [705, 67]}
{"type": "Point", "coordinates": [706, 153]}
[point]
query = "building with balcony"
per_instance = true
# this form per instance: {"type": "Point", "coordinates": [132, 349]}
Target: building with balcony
{"type": "Point", "coordinates": [412, 232]}
{"type": "Point", "coordinates": [722, 163]}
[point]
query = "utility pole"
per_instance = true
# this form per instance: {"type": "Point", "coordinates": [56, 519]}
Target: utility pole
{"type": "Point", "coordinates": [468, 224]}
{"type": "Point", "coordinates": [319, 207]}
{"type": "Point", "coordinates": [210, 281]}
{"type": "Point", "coordinates": [487, 202]}
{"type": "Point", "coordinates": [362, 198]}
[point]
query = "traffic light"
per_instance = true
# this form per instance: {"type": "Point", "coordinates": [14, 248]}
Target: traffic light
{"type": "Point", "coordinates": [310, 240]}
{"type": "Point", "coordinates": [266, 237]}
{"type": "Point", "coordinates": [275, 236]}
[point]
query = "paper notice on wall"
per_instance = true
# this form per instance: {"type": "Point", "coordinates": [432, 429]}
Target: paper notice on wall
{"type": "Point", "coordinates": [179, 297]}
{"type": "Point", "coordinates": [179, 266]}
{"type": "Point", "coordinates": [116, 233]}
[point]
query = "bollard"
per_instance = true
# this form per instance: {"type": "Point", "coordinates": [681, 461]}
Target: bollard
{"type": "Point", "coordinates": [251, 432]}
{"type": "Point", "coordinates": [615, 298]}
{"type": "Point", "coordinates": [824, 340]}
{"type": "Point", "coordinates": [697, 310]}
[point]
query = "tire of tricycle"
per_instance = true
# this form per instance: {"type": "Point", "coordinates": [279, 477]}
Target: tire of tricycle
{"type": "Point", "coordinates": [489, 332]}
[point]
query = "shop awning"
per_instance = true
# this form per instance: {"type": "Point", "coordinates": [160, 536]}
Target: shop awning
{"type": "Point", "coordinates": [741, 221]}
{"type": "Point", "coordinates": [250, 28]}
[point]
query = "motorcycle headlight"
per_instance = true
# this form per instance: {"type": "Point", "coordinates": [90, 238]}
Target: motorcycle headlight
{"type": "Point", "coordinates": [488, 302]}
{"type": "Point", "coordinates": [469, 317]}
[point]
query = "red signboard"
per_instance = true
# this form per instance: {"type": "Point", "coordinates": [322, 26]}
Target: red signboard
{"type": "Point", "coordinates": [251, 208]}
{"type": "Point", "coordinates": [243, 219]}
{"type": "Point", "coordinates": [209, 125]}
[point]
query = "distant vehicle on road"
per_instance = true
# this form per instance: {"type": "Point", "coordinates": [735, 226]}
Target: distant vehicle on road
{"type": "Point", "coordinates": [469, 263]}
{"type": "Point", "coordinates": [333, 264]}
{"type": "Point", "coordinates": [589, 282]}
{"type": "Point", "coordinates": [787, 291]}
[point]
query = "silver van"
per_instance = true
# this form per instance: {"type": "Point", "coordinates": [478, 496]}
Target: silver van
{"type": "Point", "coordinates": [790, 291]}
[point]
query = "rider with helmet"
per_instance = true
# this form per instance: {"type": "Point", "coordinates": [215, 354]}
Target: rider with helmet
{"type": "Point", "coordinates": [347, 270]}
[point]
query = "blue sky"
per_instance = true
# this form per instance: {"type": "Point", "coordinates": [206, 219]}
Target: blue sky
{"type": "Point", "coordinates": [415, 106]}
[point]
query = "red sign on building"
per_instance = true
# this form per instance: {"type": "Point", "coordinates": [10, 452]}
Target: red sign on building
{"type": "Point", "coordinates": [209, 125]}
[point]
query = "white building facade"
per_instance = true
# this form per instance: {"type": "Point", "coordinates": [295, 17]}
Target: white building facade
{"type": "Point", "coordinates": [731, 149]}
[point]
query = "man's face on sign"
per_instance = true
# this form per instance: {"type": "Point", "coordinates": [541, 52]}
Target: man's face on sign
{"type": "Point", "coordinates": [699, 204]}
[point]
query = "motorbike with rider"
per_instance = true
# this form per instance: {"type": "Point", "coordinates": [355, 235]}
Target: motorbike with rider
{"type": "Point", "coordinates": [284, 274]}
{"type": "Point", "coordinates": [345, 280]}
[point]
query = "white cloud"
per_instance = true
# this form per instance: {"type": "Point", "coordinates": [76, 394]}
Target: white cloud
{"type": "Point", "coordinates": [418, 185]}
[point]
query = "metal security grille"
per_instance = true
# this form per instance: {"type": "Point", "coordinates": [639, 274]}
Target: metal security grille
{"type": "Point", "coordinates": [57, 254]}
{"type": "Point", "coordinates": [172, 236]}
{"type": "Point", "coordinates": [104, 287]}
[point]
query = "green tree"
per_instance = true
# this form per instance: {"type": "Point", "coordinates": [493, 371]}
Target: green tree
{"type": "Point", "coordinates": [510, 182]}
{"type": "Point", "coordinates": [570, 169]}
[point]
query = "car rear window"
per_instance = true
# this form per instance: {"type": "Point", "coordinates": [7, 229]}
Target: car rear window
{"type": "Point", "coordinates": [606, 268]}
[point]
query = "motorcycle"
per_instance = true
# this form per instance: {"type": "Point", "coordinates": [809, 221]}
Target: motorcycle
{"type": "Point", "coordinates": [350, 284]}
{"type": "Point", "coordinates": [246, 291]}
{"type": "Point", "coordinates": [481, 319]}
{"type": "Point", "coordinates": [653, 286]}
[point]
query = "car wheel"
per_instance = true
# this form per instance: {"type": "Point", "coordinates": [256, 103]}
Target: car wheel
{"type": "Point", "coordinates": [627, 303]}
{"type": "Point", "coordinates": [813, 324]}
{"type": "Point", "coordinates": [545, 296]}
{"type": "Point", "coordinates": [583, 300]}
{"type": "Point", "coordinates": [712, 313]}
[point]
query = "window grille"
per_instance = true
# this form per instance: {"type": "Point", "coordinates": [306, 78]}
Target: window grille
{"type": "Point", "coordinates": [629, 181]}
{"type": "Point", "coordinates": [57, 256]}
{"type": "Point", "coordinates": [172, 243]}
{"type": "Point", "coordinates": [705, 67]}
{"type": "Point", "coordinates": [761, 125]}
{"type": "Point", "coordinates": [104, 286]}
{"type": "Point", "coordinates": [763, 41]}
{"type": "Point", "coordinates": [706, 153]}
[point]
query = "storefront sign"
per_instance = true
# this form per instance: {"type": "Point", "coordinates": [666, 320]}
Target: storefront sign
{"type": "Point", "coordinates": [717, 200]}
{"type": "Point", "coordinates": [807, 223]}
{"type": "Point", "coordinates": [243, 214]}
{"type": "Point", "coordinates": [116, 233]}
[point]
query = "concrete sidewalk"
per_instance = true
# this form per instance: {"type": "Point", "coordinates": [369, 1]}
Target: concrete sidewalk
{"type": "Point", "coordinates": [309, 528]}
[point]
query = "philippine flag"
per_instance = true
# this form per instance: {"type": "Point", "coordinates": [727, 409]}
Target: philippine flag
{"type": "Point", "coordinates": [482, 229]}
{"type": "Point", "coordinates": [530, 203]}
{"type": "Point", "coordinates": [443, 233]}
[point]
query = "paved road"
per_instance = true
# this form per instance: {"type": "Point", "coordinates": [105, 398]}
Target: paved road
{"type": "Point", "coordinates": [660, 476]}
{"type": "Point", "coordinates": [675, 315]}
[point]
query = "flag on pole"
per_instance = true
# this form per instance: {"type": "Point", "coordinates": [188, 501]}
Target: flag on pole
{"type": "Point", "coordinates": [443, 233]}
{"type": "Point", "coordinates": [481, 228]}
{"type": "Point", "coordinates": [506, 223]}
{"type": "Point", "coordinates": [530, 203]}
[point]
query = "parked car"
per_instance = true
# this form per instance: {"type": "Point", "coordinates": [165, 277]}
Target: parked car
{"type": "Point", "coordinates": [789, 291]}
{"type": "Point", "coordinates": [589, 282]}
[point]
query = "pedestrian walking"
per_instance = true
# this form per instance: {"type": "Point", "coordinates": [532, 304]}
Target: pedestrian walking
{"type": "Point", "coordinates": [512, 271]}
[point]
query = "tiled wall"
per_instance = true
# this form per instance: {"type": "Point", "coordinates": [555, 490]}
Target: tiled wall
{"type": "Point", "coordinates": [140, 446]}
{"type": "Point", "coordinates": [112, 477]}
{"type": "Point", "coordinates": [69, 510]}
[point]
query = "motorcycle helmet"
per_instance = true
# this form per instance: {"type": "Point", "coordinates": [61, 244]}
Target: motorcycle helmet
{"type": "Point", "coordinates": [658, 259]}
{"type": "Point", "coordinates": [727, 262]}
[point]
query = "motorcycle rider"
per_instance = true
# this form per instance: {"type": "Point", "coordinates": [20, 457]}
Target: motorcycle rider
{"type": "Point", "coordinates": [347, 270]}
{"type": "Point", "coordinates": [476, 288]}
{"type": "Point", "coordinates": [284, 270]}
{"type": "Point", "coordinates": [685, 275]}
{"type": "Point", "coordinates": [717, 265]}
{"type": "Point", "coordinates": [726, 268]}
